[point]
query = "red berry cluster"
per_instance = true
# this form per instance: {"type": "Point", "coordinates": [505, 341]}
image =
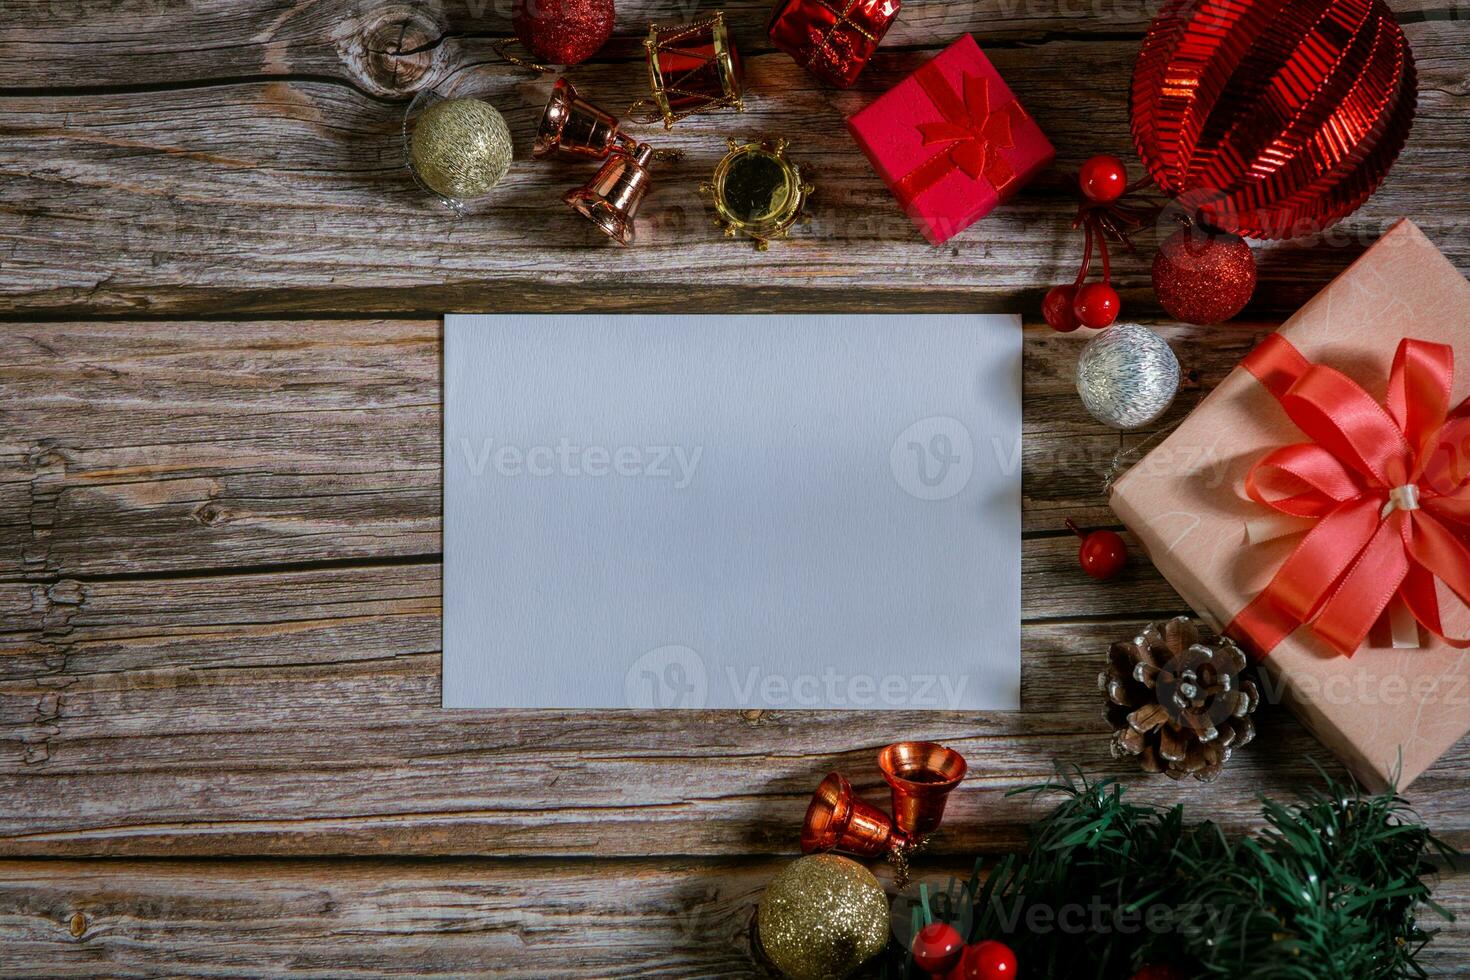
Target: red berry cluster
{"type": "Point", "coordinates": [1104, 214]}
{"type": "Point", "coordinates": [940, 952]}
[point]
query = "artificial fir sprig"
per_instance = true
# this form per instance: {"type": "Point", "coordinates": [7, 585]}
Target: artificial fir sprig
{"type": "Point", "coordinates": [1333, 883]}
{"type": "Point", "coordinates": [1329, 890]}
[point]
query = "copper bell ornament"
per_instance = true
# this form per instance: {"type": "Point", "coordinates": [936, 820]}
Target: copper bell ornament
{"type": "Point", "coordinates": [836, 820]}
{"type": "Point", "coordinates": [922, 775]}
{"type": "Point", "coordinates": [610, 199]}
{"type": "Point", "coordinates": [573, 127]}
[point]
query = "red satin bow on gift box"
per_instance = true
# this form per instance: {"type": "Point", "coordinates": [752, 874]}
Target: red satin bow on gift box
{"type": "Point", "coordinates": [974, 129]}
{"type": "Point", "coordinates": [1388, 486]}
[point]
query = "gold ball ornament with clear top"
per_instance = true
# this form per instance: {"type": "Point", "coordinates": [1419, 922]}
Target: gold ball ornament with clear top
{"type": "Point", "coordinates": [460, 148]}
{"type": "Point", "coordinates": [822, 917]}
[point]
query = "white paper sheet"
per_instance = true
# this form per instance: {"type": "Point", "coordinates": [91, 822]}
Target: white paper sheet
{"type": "Point", "coordinates": [732, 511]}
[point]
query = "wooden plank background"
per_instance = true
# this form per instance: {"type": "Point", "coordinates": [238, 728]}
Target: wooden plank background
{"type": "Point", "coordinates": [220, 747]}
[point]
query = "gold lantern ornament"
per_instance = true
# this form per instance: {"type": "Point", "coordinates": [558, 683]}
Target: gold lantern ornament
{"type": "Point", "coordinates": [757, 192]}
{"type": "Point", "coordinates": [691, 68]}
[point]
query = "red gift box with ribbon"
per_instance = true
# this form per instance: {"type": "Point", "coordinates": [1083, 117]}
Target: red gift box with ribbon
{"type": "Point", "coordinates": [832, 40]}
{"type": "Point", "coordinates": [1316, 506]}
{"type": "Point", "coordinates": [951, 141]}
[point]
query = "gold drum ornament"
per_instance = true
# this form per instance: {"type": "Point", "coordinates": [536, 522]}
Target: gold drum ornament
{"type": "Point", "coordinates": [691, 68]}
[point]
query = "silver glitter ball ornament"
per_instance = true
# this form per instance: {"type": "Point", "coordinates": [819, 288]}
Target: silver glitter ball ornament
{"type": "Point", "coordinates": [1127, 376]}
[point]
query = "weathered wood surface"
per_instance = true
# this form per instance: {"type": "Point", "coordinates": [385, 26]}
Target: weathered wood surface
{"type": "Point", "coordinates": [222, 623]}
{"type": "Point", "coordinates": [297, 714]}
{"type": "Point", "coordinates": [262, 172]}
{"type": "Point", "coordinates": [399, 46]}
{"type": "Point", "coordinates": [526, 919]}
{"type": "Point", "coordinates": [219, 540]}
{"type": "Point", "coordinates": [132, 449]}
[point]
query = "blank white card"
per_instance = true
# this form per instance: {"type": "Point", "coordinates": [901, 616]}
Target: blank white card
{"type": "Point", "coordinates": [765, 512]}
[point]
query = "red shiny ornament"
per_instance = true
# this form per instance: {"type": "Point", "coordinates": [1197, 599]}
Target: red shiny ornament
{"type": "Point", "coordinates": [563, 32]}
{"type": "Point", "coordinates": [1097, 305]}
{"type": "Point", "coordinates": [1103, 179]}
{"type": "Point", "coordinates": [937, 948]}
{"type": "Point", "coordinates": [1272, 118]}
{"type": "Point", "coordinates": [1057, 308]}
{"type": "Point", "coordinates": [1203, 277]}
{"type": "Point", "coordinates": [988, 960]}
{"type": "Point", "coordinates": [1102, 554]}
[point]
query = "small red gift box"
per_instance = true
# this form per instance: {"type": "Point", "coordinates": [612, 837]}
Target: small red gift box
{"type": "Point", "coordinates": [951, 141]}
{"type": "Point", "coordinates": [832, 40]}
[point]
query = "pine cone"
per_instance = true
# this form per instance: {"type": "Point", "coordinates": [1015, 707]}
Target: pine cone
{"type": "Point", "coordinates": [1181, 705]}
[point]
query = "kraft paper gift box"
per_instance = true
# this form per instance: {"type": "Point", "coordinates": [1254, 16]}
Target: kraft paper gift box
{"type": "Point", "coordinates": [951, 141]}
{"type": "Point", "coordinates": [1389, 710]}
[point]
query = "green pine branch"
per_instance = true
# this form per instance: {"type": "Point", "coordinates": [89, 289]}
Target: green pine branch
{"type": "Point", "coordinates": [1331, 889]}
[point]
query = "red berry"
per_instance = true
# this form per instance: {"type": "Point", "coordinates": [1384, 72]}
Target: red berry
{"type": "Point", "coordinates": [1103, 179]}
{"type": "Point", "coordinates": [1097, 305]}
{"type": "Point", "coordinates": [1102, 554]}
{"type": "Point", "coordinates": [1057, 308]}
{"type": "Point", "coordinates": [989, 960]}
{"type": "Point", "coordinates": [937, 948]}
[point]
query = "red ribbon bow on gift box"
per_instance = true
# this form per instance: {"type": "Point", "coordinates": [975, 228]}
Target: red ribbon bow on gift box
{"type": "Point", "coordinates": [1388, 486]}
{"type": "Point", "coordinates": [975, 129]}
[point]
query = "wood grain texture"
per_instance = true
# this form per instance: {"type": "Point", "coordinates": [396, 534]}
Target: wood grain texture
{"type": "Point", "coordinates": [526, 919]}
{"type": "Point", "coordinates": [281, 189]}
{"type": "Point", "coordinates": [297, 714]}
{"type": "Point", "coordinates": [170, 448]}
{"type": "Point", "coordinates": [388, 47]}
{"type": "Point", "coordinates": [220, 537]}
{"type": "Point", "coordinates": [222, 632]}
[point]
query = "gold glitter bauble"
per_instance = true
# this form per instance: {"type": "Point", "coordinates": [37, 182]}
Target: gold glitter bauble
{"type": "Point", "coordinates": [822, 918]}
{"type": "Point", "coordinates": [460, 148]}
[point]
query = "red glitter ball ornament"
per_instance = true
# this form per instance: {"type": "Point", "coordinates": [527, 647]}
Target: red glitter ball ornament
{"type": "Point", "coordinates": [563, 32]}
{"type": "Point", "coordinates": [1272, 118]}
{"type": "Point", "coordinates": [1204, 277]}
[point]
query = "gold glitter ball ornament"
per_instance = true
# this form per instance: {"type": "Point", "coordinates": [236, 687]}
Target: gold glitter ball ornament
{"type": "Point", "coordinates": [822, 918]}
{"type": "Point", "coordinates": [460, 148]}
